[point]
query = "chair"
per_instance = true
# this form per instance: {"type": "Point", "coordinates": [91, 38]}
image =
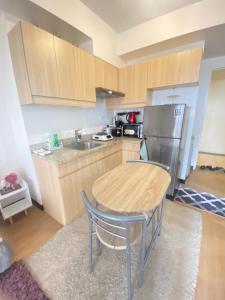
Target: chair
{"type": "Point", "coordinates": [166, 168]}
{"type": "Point", "coordinates": [119, 226]}
{"type": "Point", "coordinates": [156, 225]}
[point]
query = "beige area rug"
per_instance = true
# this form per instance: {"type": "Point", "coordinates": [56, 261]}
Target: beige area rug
{"type": "Point", "coordinates": [60, 266]}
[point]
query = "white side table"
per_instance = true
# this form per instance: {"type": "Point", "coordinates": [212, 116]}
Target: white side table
{"type": "Point", "coordinates": [15, 202]}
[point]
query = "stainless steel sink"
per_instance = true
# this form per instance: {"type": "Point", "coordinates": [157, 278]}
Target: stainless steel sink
{"type": "Point", "coordinates": [83, 145]}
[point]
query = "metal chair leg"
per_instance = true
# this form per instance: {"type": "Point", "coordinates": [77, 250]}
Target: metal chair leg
{"type": "Point", "coordinates": [153, 228]}
{"type": "Point", "coordinates": [159, 209]}
{"type": "Point", "coordinates": [99, 250]}
{"type": "Point", "coordinates": [142, 257]}
{"type": "Point", "coordinates": [90, 234]}
{"type": "Point", "coordinates": [161, 216]}
{"type": "Point", "coordinates": [128, 254]}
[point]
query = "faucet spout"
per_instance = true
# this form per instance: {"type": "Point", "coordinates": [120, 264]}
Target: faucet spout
{"type": "Point", "coordinates": [78, 135]}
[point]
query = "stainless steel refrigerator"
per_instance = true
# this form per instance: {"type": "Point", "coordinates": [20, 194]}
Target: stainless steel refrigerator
{"type": "Point", "coordinates": [164, 131]}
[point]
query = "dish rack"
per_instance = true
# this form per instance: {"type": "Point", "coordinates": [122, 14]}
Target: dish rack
{"type": "Point", "coordinates": [15, 202]}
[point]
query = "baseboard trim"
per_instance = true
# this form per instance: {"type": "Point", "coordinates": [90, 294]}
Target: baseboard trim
{"type": "Point", "coordinates": [170, 197]}
{"type": "Point", "coordinates": [183, 181]}
{"type": "Point", "coordinates": [38, 205]}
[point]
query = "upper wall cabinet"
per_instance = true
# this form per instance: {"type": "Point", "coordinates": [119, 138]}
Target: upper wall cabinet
{"type": "Point", "coordinates": [85, 75]}
{"type": "Point", "coordinates": [40, 61]}
{"type": "Point", "coordinates": [175, 69]}
{"type": "Point", "coordinates": [106, 75]}
{"type": "Point", "coordinates": [65, 68]}
{"type": "Point", "coordinates": [133, 83]}
{"type": "Point", "coordinates": [49, 70]}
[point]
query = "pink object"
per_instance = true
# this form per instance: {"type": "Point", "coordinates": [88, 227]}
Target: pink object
{"type": "Point", "coordinates": [11, 179]}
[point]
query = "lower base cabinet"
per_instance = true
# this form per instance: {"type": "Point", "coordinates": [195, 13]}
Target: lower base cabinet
{"type": "Point", "coordinates": [131, 150]}
{"type": "Point", "coordinates": [61, 184]}
{"type": "Point", "coordinates": [83, 180]}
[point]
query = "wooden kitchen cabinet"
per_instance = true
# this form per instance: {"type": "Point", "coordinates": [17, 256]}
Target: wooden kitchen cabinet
{"type": "Point", "coordinates": [61, 184]}
{"type": "Point", "coordinates": [133, 83]}
{"type": "Point", "coordinates": [75, 72]}
{"type": "Point", "coordinates": [181, 68]}
{"type": "Point", "coordinates": [49, 70]}
{"type": "Point", "coordinates": [40, 60]}
{"type": "Point", "coordinates": [131, 150]}
{"type": "Point", "coordinates": [106, 75]}
{"type": "Point", "coordinates": [176, 69]}
{"type": "Point", "coordinates": [66, 68]}
{"type": "Point", "coordinates": [85, 75]}
{"type": "Point", "coordinates": [110, 77]}
{"type": "Point", "coordinates": [83, 179]}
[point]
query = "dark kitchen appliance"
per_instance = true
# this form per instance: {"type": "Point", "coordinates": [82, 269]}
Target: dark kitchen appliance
{"type": "Point", "coordinates": [164, 131]}
{"type": "Point", "coordinates": [117, 131]}
{"type": "Point", "coordinates": [132, 130]}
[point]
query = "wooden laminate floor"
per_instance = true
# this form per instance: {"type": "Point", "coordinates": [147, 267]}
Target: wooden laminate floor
{"type": "Point", "coordinates": [211, 277]}
{"type": "Point", "coordinates": [207, 181]}
{"type": "Point", "coordinates": [28, 234]}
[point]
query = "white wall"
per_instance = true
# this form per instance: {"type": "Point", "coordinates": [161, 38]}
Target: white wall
{"type": "Point", "coordinates": [41, 120]}
{"type": "Point", "coordinates": [208, 65]}
{"type": "Point", "coordinates": [14, 147]}
{"type": "Point", "coordinates": [213, 133]}
{"type": "Point", "coordinates": [192, 18]}
{"type": "Point", "coordinates": [81, 17]}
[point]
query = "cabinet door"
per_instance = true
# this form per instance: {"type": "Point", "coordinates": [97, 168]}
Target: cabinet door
{"type": "Point", "coordinates": [133, 82]}
{"type": "Point", "coordinates": [175, 69]}
{"type": "Point", "coordinates": [83, 179]}
{"type": "Point", "coordinates": [65, 68]}
{"type": "Point", "coordinates": [99, 72]}
{"type": "Point", "coordinates": [139, 83]}
{"type": "Point", "coordinates": [131, 150]}
{"type": "Point", "coordinates": [189, 66]}
{"type": "Point", "coordinates": [110, 77]}
{"type": "Point", "coordinates": [106, 75]}
{"type": "Point", "coordinates": [130, 155]}
{"type": "Point", "coordinates": [125, 84]}
{"type": "Point", "coordinates": [157, 73]}
{"type": "Point", "coordinates": [85, 75]}
{"type": "Point", "coordinates": [40, 60]}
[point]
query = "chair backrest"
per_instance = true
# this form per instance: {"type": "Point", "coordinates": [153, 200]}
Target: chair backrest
{"type": "Point", "coordinates": [166, 168]}
{"type": "Point", "coordinates": [109, 222]}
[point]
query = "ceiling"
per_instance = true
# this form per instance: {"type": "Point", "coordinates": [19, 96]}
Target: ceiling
{"type": "Point", "coordinates": [26, 10]}
{"type": "Point", "coordinates": [214, 46]}
{"type": "Point", "coordinates": [125, 14]}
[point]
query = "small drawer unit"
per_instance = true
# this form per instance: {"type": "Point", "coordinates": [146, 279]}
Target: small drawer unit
{"type": "Point", "coordinates": [15, 202]}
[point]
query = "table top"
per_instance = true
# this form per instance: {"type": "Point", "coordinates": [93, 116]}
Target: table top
{"type": "Point", "coordinates": [131, 187]}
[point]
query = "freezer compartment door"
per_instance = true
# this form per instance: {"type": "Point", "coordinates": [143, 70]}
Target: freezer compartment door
{"type": "Point", "coordinates": [165, 151]}
{"type": "Point", "coordinates": [163, 120]}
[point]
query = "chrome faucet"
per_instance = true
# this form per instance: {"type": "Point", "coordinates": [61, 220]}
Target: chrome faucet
{"type": "Point", "coordinates": [77, 135]}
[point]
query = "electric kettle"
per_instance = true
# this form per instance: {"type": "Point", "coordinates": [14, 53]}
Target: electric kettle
{"type": "Point", "coordinates": [131, 117]}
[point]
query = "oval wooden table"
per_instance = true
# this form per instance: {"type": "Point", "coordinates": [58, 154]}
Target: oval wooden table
{"type": "Point", "coordinates": [132, 187]}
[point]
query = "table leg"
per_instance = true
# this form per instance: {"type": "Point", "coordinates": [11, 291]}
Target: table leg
{"type": "Point", "coordinates": [90, 233]}
{"type": "Point", "coordinates": [142, 257]}
{"type": "Point", "coordinates": [128, 254]}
